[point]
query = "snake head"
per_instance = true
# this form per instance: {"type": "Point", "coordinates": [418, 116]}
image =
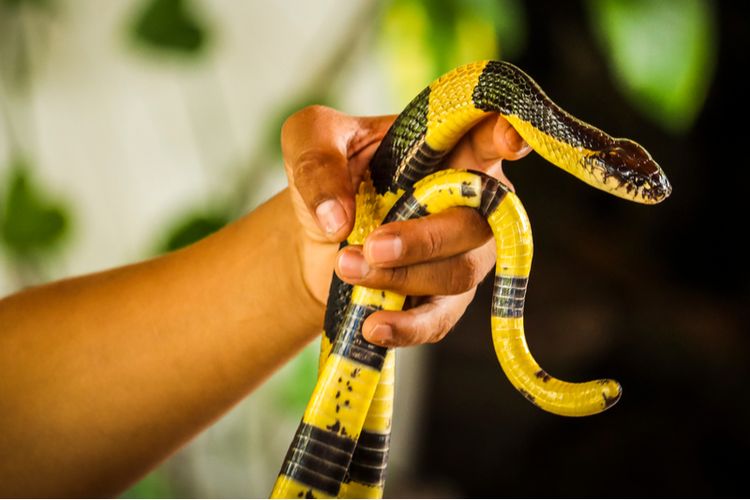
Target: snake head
{"type": "Point", "coordinates": [626, 169]}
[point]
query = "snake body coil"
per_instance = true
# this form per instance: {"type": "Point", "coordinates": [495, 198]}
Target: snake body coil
{"type": "Point", "coordinates": [341, 446]}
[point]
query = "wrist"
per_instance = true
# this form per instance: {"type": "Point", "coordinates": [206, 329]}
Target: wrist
{"type": "Point", "coordinates": [302, 259]}
{"type": "Point", "coordinates": [316, 261]}
{"type": "Point", "coordinates": [315, 258]}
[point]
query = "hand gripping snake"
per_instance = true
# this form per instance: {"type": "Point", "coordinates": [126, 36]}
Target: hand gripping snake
{"type": "Point", "coordinates": [341, 446]}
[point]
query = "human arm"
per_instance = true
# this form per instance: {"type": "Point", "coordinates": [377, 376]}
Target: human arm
{"type": "Point", "coordinates": [102, 376]}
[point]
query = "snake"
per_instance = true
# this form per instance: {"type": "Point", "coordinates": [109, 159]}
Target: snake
{"type": "Point", "coordinates": [340, 448]}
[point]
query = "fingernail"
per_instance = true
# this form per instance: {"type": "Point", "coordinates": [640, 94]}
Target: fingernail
{"type": "Point", "coordinates": [515, 142]}
{"type": "Point", "coordinates": [381, 333]}
{"type": "Point", "coordinates": [331, 216]}
{"type": "Point", "coordinates": [385, 248]}
{"type": "Point", "coordinates": [352, 265]}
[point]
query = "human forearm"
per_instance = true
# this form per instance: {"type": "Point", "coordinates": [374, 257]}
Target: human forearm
{"type": "Point", "coordinates": [104, 375]}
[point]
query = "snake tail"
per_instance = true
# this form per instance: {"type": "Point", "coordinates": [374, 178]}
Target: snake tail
{"type": "Point", "coordinates": [512, 233]}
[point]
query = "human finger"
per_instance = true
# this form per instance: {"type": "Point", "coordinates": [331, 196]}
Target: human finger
{"type": "Point", "coordinates": [449, 276]}
{"type": "Point", "coordinates": [486, 145]}
{"type": "Point", "coordinates": [426, 323]}
{"type": "Point", "coordinates": [435, 237]}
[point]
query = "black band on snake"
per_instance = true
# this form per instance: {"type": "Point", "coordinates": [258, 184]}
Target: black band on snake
{"type": "Point", "coordinates": [341, 446]}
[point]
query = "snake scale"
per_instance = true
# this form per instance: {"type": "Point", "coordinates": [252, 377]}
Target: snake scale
{"type": "Point", "coordinates": [341, 446]}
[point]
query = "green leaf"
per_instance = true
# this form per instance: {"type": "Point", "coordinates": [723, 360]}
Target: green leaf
{"type": "Point", "coordinates": [407, 54]}
{"type": "Point", "coordinates": [155, 485]}
{"type": "Point", "coordinates": [34, 3]}
{"type": "Point", "coordinates": [422, 39]}
{"type": "Point", "coordinates": [192, 228]}
{"type": "Point", "coordinates": [662, 54]}
{"type": "Point", "coordinates": [32, 223]}
{"type": "Point", "coordinates": [299, 380]}
{"type": "Point", "coordinates": [169, 26]}
{"type": "Point", "coordinates": [509, 19]}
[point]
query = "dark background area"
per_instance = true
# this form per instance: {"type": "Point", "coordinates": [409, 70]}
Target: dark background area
{"type": "Point", "coordinates": [653, 296]}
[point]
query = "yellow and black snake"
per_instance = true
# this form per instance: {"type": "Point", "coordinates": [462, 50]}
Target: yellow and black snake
{"type": "Point", "coordinates": [341, 446]}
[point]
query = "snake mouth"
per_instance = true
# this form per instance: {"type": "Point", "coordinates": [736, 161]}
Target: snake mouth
{"type": "Point", "coordinates": [626, 170]}
{"type": "Point", "coordinates": [655, 190]}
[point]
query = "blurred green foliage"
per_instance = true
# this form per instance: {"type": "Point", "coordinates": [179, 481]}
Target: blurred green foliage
{"type": "Point", "coordinates": [662, 54]}
{"type": "Point", "coordinates": [509, 17]}
{"type": "Point", "coordinates": [175, 27]}
{"type": "Point", "coordinates": [191, 228]}
{"type": "Point", "coordinates": [170, 26]}
{"type": "Point", "coordinates": [18, 3]}
{"type": "Point", "coordinates": [32, 223]}
{"type": "Point", "coordinates": [422, 39]}
{"type": "Point", "coordinates": [298, 383]}
{"type": "Point", "coordinates": [154, 485]}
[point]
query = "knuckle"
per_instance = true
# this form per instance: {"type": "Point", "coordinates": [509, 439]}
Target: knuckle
{"type": "Point", "coordinates": [464, 276]}
{"type": "Point", "coordinates": [286, 129]}
{"type": "Point", "coordinates": [309, 164]}
{"type": "Point", "coordinates": [305, 114]}
{"type": "Point", "coordinates": [401, 338]}
{"type": "Point", "coordinates": [443, 325]}
{"type": "Point", "coordinates": [480, 262]}
{"type": "Point", "coordinates": [433, 243]}
{"type": "Point", "coordinates": [432, 329]}
{"type": "Point", "coordinates": [303, 166]}
{"type": "Point", "coordinates": [395, 276]}
{"type": "Point", "coordinates": [309, 160]}
{"type": "Point", "coordinates": [420, 331]}
{"type": "Point", "coordinates": [314, 109]}
{"type": "Point", "coordinates": [301, 118]}
{"type": "Point", "coordinates": [472, 265]}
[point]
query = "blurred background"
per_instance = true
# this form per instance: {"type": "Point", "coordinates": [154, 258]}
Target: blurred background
{"type": "Point", "coordinates": [132, 127]}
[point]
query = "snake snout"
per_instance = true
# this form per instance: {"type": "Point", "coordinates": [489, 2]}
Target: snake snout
{"type": "Point", "coordinates": [648, 188]}
{"type": "Point", "coordinates": [650, 184]}
{"type": "Point", "coordinates": [637, 176]}
{"type": "Point", "coordinates": [660, 190]}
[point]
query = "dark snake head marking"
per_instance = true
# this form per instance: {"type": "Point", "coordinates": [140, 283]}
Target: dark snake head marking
{"type": "Point", "coordinates": [629, 172]}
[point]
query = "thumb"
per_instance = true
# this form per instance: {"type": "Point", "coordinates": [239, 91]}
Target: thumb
{"type": "Point", "coordinates": [313, 144]}
{"type": "Point", "coordinates": [324, 185]}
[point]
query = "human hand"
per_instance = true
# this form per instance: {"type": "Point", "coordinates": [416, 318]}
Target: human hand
{"type": "Point", "coordinates": [326, 154]}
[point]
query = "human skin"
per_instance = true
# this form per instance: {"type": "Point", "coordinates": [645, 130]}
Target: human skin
{"type": "Point", "coordinates": [103, 376]}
